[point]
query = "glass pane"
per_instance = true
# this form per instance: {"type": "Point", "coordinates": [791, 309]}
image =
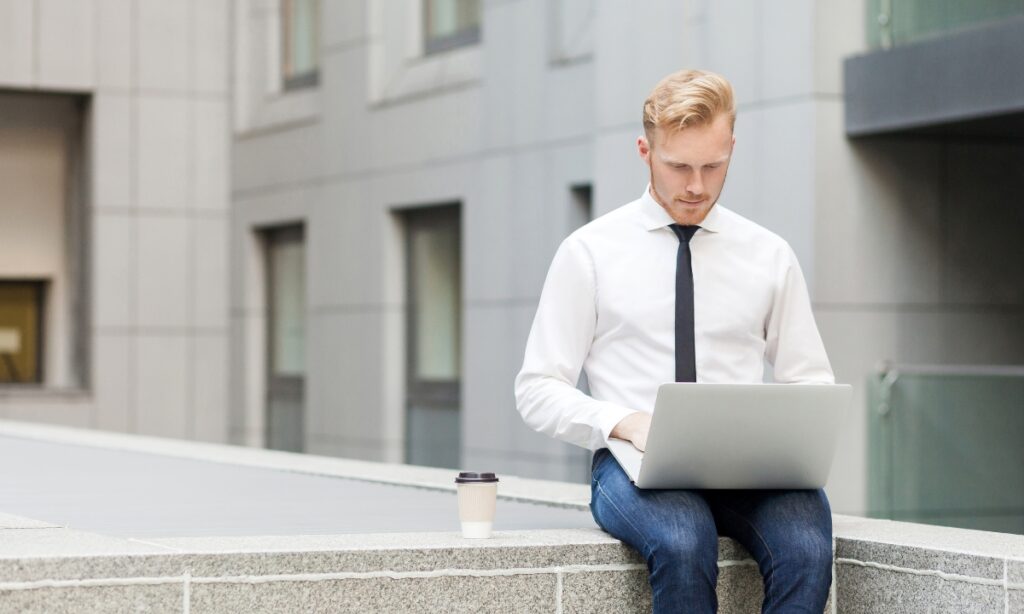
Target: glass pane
{"type": "Point", "coordinates": [300, 40]}
{"type": "Point", "coordinates": [436, 298]}
{"type": "Point", "coordinates": [19, 332]}
{"type": "Point", "coordinates": [895, 22]}
{"type": "Point", "coordinates": [433, 437]}
{"type": "Point", "coordinates": [288, 306]}
{"type": "Point", "coordinates": [286, 415]}
{"type": "Point", "coordinates": [575, 28]}
{"type": "Point", "coordinates": [945, 448]}
{"type": "Point", "coordinates": [447, 19]}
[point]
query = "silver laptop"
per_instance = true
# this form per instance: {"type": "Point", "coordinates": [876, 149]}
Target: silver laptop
{"type": "Point", "coordinates": [738, 436]}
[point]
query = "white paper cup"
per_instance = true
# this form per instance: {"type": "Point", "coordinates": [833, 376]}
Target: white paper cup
{"type": "Point", "coordinates": [478, 496]}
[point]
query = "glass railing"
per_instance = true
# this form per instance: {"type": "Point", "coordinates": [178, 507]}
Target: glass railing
{"type": "Point", "coordinates": [946, 446]}
{"type": "Point", "coordinates": [897, 22]}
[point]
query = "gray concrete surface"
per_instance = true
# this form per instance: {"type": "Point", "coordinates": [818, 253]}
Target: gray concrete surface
{"type": "Point", "coordinates": [132, 494]}
{"type": "Point", "coordinates": [139, 490]}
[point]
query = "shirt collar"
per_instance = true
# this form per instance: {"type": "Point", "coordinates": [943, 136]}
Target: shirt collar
{"type": "Point", "coordinates": [655, 216]}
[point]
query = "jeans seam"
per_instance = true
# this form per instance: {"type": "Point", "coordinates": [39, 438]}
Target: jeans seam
{"type": "Point", "coordinates": [601, 492]}
{"type": "Point", "coordinates": [771, 557]}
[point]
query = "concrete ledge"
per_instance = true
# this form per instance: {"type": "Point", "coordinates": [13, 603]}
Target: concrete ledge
{"type": "Point", "coordinates": [887, 566]}
{"type": "Point", "coordinates": [880, 565]}
{"type": "Point", "coordinates": [9, 521]}
{"type": "Point", "coordinates": [567, 570]}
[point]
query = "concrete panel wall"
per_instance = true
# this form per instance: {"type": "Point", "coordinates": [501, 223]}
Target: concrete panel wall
{"type": "Point", "coordinates": [896, 238]}
{"type": "Point", "coordinates": [909, 245]}
{"type": "Point", "coordinates": [490, 144]}
{"type": "Point", "coordinates": [155, 75]}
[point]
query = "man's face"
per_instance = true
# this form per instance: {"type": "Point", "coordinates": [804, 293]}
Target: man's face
{"type": "Point", "coordinates": [688, 167]}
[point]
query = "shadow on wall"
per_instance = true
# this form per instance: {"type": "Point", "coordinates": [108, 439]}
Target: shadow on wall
{"type": "Point", "coordinates": [937, 226]}
{"type": "Point", "coordinates": [940, 223]}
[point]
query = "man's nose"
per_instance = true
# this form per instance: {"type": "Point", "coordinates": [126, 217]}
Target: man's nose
{"type": "Point", "coordinates": [696, 185]}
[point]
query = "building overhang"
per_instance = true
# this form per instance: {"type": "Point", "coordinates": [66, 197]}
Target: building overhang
{"type": "Point", "coordinates": [964, 83]}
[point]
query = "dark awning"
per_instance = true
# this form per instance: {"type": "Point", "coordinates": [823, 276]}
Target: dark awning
{"type": "Point", "coordinates": [967, 82]}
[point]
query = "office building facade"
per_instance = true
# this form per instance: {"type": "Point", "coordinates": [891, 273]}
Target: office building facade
{"type": "Point", "coordinates": [401, 174]}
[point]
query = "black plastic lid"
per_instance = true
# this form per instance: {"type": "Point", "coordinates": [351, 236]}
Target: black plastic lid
{"type": "Point", "coordinates": [471, 477]}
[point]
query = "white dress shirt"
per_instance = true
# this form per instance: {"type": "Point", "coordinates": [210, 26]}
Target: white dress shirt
{"type": "Point", "coordinates": [608, 307]}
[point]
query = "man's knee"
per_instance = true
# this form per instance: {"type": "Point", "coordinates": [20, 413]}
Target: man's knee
{"type": "Point", "coordinates": [811, 554]}
{"type": "Point", "coordinates": [685, 549]}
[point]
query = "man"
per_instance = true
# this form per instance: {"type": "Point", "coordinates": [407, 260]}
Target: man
{"type": "Point", "coordinates": [675, 287]}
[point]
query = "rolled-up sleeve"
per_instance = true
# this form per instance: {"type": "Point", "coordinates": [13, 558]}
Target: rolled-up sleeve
{"type": "Point", "coordinates": [559, 341]}
{"type": "Point", "coordinates": [793, 344]}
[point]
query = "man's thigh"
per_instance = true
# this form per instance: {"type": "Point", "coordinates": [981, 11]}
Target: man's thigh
{"type": "Point", "coordinates": [770, 522]}
{"type": "Point", "coordinates": [648, 518]}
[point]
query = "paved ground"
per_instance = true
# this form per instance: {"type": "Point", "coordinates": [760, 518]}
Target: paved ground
{"type": "Point", "coordinates": [131, 494]}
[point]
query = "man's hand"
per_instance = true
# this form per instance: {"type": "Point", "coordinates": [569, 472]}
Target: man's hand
{"type": "Point", "coordinates": [634, 428]}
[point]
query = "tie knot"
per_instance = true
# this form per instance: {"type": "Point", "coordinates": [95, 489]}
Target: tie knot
{"type": "Point", "coordinates": [685, 233]}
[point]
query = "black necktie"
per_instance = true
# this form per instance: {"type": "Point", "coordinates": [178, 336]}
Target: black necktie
{"type": "Point", "coordinates": [686, 361]}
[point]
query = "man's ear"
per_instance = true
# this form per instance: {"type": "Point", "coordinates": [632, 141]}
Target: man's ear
{"type": "Point", "coordinates": [643, 148]}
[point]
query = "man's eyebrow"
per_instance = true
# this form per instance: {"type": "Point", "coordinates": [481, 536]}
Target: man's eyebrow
{"type": "Point", "coordinates": [672, 162]}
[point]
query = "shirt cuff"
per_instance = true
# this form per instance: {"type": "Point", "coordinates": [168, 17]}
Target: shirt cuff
{"type": "Point", "coordinates": [611, 414]}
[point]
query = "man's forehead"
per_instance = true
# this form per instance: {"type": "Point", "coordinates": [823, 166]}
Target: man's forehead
{"type": "Point", "coordinates": [708, 143]}
{"type": "Point", "coordinates": [671, 159]}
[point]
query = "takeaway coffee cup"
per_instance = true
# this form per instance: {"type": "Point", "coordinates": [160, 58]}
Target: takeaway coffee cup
{"type": "Point", "coordinates": [478, 494]}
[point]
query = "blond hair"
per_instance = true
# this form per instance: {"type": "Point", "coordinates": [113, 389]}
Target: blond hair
{"type": "Point", "coordinates": [688, 98]}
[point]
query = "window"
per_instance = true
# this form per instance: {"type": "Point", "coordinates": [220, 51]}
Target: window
{"type": "Point", "coordinates": [300, 43]}
{"type": "Point", "coordinates": [571, 30]}
{"type": "Point", "coordinates": [434, 337]}
{"type": "Point", "coordinates": [450, 23]}
{"type": "Point", "coordinates": [582, 210]}
{"type": "Point", "coordinates": [424, 51]}
{"type": "Point", "coordinates": [21, 309]}
{"type": "Point", "coordinates": [286, 337]}
{"type": "Point", "coordinates": [46, 315]}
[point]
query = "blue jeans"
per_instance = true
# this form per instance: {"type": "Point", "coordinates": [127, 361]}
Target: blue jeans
{"type": "Point", "coordinates": [788, 532]}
